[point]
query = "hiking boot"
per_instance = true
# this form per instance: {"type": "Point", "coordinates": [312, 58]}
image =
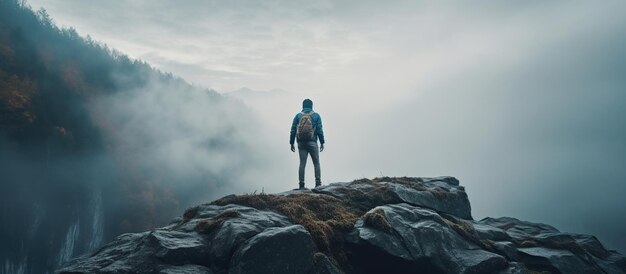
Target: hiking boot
{"type": "Point", "coordinates": [302, 186]}
{"type": "Point", "coordinates": [317, 184]}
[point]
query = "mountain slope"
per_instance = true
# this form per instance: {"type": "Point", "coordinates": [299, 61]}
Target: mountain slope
{"type": "Point", "coordinates": [94, 144]}
{"type": "Point", "coordinates": [384, 225]}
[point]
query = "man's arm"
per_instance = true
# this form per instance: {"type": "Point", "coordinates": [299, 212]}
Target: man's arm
{"type": "Point", "coordinates": [292, 135]}
{"type": "Point", "coordinates": [320, 131]}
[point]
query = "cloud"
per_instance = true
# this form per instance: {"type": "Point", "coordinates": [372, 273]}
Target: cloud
{"type": "Point", "coordinates": [247, 36]}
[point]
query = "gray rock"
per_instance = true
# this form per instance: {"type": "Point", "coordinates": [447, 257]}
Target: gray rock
{"type": "Point", "coordinates": [338, 189]}
{"type": "Point", "coordinates": [519, 230]}
{"type": "Point", "coordinates": [234, 231]}
{"type": "Point", "coordinates": [451, 200]}
{"type": "Point", "coordinates": [419, 225]}
{"type": "Point", "coordinates": [323, 265]}
{"type": "Point", "coordinates": [275, 250]}
{"type": "Point", "coordinates": [186, 269]}
{"type": "Point", "coordinates": [142, 253]}
{"type": "Point", "coordinates": [544, 247]}
{"type": "Point", "coordinates": [179, 244]}
{"type": "Point", "coordinates": [125, 253]}
{"type": "Point", "coordinates": [176, 247]}
{"type": "Point", "coordinates": [446, 179]}
{"type": "Point", "coordinates": [515, 268]}
{"type": "Point", "coordinates": [263, 218]}
{"type": "Point", "coordinates": [176, 220]}
{"type": "Point", "coordinates": [614, 263]}
{"type": "Point", "coordinates": [441, 193]}
{"type": "Point", "coordinates": [488, 232]}
{"type": "Point", "coordinates": [586, 248]}
{"type": "Point", "coordinates": [562, 260]}
{"type": "Point", "coordinates": [507, 249]}
{"type": "Point", "coordinates": [421, 235]}
{"type": "Point", "coordinates": [591, 245]}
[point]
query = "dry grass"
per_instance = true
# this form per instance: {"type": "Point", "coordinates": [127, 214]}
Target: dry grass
{"type": "Point", "coordinates": [529, 243]}
{"type": "Point", "coordinates": [399, 180]}
{"type": "Point", "coordinates": [415, 183]}
{"type": "Point", "coordinates": [376, 219]}
{"type": "Point", "coordinates": [190, 213]}
{"type": "Point", "coordinates": [567, 243]}
{"type": "Point", "coordinates": [207, 225]}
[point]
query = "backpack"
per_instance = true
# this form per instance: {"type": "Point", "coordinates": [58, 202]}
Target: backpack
{"type": "Point", "coordinates": [305, 128]}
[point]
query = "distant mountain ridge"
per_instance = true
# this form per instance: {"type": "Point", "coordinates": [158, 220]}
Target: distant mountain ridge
{"type": "Point", "coordinates": [250, 93]}
{"type": "Point", "coordinates": [383, 225]}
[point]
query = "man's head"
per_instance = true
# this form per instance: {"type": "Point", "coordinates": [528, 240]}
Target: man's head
{"type": "Point", "coordinates": [307, 103]}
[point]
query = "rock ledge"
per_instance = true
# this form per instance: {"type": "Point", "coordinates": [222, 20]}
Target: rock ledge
{"type": "Point", "coordinates": [382, 225]}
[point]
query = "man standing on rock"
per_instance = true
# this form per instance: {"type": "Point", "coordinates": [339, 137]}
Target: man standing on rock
{"type": "Point", "coordinates": [307, 129]}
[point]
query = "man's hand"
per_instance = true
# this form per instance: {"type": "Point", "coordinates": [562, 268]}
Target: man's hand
{"type": "Point", "coordinates": [322, 148]}
{"type": "Point", "coordinates": [293, 148]}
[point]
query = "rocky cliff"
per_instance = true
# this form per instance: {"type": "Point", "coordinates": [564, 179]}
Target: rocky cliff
{"type": "Point", "coordinates": [383, 225]}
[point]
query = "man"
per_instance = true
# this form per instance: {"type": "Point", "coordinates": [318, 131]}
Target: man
{"type": "Point", "coordinates": [307, 129]}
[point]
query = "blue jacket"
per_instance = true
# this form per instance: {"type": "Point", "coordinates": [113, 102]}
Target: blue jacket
{"type": "Point", "coordinates": [316, 119]}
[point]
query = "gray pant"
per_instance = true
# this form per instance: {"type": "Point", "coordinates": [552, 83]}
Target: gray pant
{"type": "Point", "coordinates": [304, 149]}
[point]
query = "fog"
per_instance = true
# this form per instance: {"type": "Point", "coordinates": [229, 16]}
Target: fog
{"type": "Point", "coordinates": [523, 103]}
{"type": "Point", "coordinates": [94, 144]}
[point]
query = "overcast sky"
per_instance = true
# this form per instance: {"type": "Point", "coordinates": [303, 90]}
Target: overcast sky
{"type": "Point", "coordinates": [523, 101]}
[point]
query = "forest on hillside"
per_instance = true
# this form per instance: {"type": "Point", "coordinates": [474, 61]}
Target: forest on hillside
{"type": "Point", "coordinates": [94, 143]}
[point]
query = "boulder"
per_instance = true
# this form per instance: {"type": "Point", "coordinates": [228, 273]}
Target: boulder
{"type": "Point", "coordinates": [128, 252]}
{"type": "Point", "coordinates": [275, 250]}
{"type": "Point", "coordinates": [148, 252]}
{"type": "Point", "coordinates": [206, 211]}
{"type": "Point", "coordinates": [488, 232]}
{"type": "Point", "coordinates": [437, 195]}
{"type": "Point", "coordinates": [181, 246]}
{"type": "Point", "coordinates": [517, 229]}
{"type": "Point", "coordinates": [323, 265]}
{"type": "Point", "coordinates": [422, 236]}
{"type": "Point", "coordinates": [443, 194]}
{"type": "Point", "coordinates": [543, 247]}
{"type": "Point", "coordinates": [554, 260]}
{"type": "Point", "coordinates": [615, 263]}
{"type": "Point", "coordinates": [225, 240]}
{"type": "Point", "coordinates": [176, 247]}
{"type": "Point", "coordinates": [507, 249]}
